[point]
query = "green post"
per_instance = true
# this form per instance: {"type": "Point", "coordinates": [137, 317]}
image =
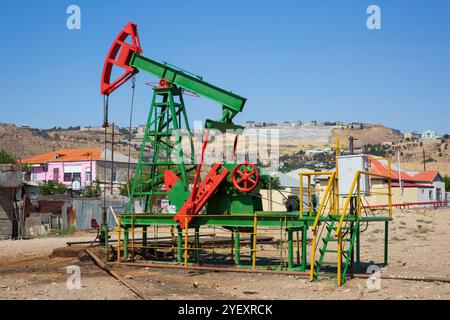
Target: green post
{"type": "Point", "coordinates": [144, 237]}
{"type": "Point", "coordinates": [125, 243]}
{"type": "Point", "coordinates": [237, 248]}
{"type": "Point", "coordinates": [304, 239]}
{"type": "Point", "coordinates": [179, 245]}
{"type": "Point", "coordinates": [197, 244]}
{"type": "Point", "coordinates": [290, 249]}
{"type": "Point", "coordinates": [358, 246]}
{"type": "Point", "coordinates": [386, 242]}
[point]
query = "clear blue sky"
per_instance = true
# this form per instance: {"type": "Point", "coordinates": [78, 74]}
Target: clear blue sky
{"type": "Point", "coordinates": [291, 59]}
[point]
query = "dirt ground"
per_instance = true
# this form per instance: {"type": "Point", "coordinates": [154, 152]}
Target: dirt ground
{"type": "Point", "coordinates": [418, 247]}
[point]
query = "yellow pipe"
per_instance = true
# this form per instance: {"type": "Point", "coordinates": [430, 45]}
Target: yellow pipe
{"type": "Point", "coordinates": [186, 234]}
{"type": "Point", "coordinates": [316, 222]}
{"type": "Point", "coordinates": [390, 187]}
{"type": "Point", "coordinates": [347, 202]}
{"type": "Point", "coordinates": [323, 200]}
{"type": "Point", "coordinates": [358, 197]}
{"type": "Point", "coordinates": [254, 241]}
{"type": "Point", "coordinates": [301, 194]}
{"type": "Point", "coordinates": [339, 260]}
{"type": "Point", "coordinates": [309, 196]}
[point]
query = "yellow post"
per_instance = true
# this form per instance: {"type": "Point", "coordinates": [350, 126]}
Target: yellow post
{"type": "Point", "coordinates": [301, 194]}
{"type": "Point", "coordinates": [339, 259]}
{"type": "Point", "coordinates": [119, 231]}
{"type": "Point", "coordinates": [309, 196]}
{"type": "Point", "coordinates": [316, 222]}
{"type": "Point", "coordinates": [186, 239]}
{"type": "Point", "coordinates": [358, 197]}
{"type": "Point", "coordinates": [336, 181]}
{"type": "Point", "coordinates": [347, 202]}
{"type": "Point", "coordinates": [313, 258]}
{"type": "Point", "coordinates": [254, 241]}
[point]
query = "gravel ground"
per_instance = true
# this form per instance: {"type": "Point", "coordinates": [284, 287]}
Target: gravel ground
{"type": "Point", "coordinates": [418, 240]}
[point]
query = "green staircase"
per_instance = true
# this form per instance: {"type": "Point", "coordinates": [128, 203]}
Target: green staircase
{"type": "Point", "coordinates": [328, 258]}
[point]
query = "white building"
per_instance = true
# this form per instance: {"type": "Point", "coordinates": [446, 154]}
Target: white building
{"type": "Point", "coordinates": [429, 135]}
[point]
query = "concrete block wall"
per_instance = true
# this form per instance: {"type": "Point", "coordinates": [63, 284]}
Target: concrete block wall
{"type": "Point", "coordinates": [6, 213]}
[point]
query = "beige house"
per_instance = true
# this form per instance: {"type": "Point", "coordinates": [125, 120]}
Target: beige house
{"type": "Point", "coordinates": [415, 188]}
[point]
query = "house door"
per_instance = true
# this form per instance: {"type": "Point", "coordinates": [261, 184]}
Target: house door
{"type": "Point", "coordinates": [438, 194]}
{"type": "Point", "coordinates": [56, 174]}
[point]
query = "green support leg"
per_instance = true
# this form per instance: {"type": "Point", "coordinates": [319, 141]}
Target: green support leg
{"type": "Point", "coordinates": [179, 245]}
{"type": "Point", "coordinates": [105, 232]}
{"type": "Point", "coordinates": [197, 244]}
{"type": "Point", "coordinates": [237, 248]}
{"type": "Point", "coordinates": [386, 242]}
{"type": "Point", "coordinates": [144, 237]}
{"type": "Point", "coordinates": [358, 250]}
{"type": "Point", "coordinates": [304, 238]}
{"type": "Point", "coordinates": [290, 249]}
{"type": "Point", "coordinates": [126, 235]}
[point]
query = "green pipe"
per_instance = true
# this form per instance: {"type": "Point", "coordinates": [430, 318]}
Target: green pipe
{"type": "Point", "coordinates": [290, 250]}
{"type": "Point", "coordinates": [304, 239]}
{"type": "Point", "coordinates": [358, 250]}
{"type": "Point", "coordinates": [144, 237]}
{"type": "Point", "coordinates": [386, 242]}
{"type": "Point", "coordinates": [179, 245]}
{"type": "Point", "coordinates": [125, 243]}
{"type": "Point", "coordinates": [237, 248]}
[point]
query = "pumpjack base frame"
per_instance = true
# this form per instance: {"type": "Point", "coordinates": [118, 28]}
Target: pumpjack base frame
{"type": "Point", "coordinates": [290, 222]}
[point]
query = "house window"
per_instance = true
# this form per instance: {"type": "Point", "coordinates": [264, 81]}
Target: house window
{"type": "Point", "coordinates": [56, 174]}
{"type": "Point", "coordinates": [115, 176]}
{"type": "Point", "coordinates": [72, 176]}
{"type": "Point", "coordinates": [34, 177]}
{"type": "Point", "coordinates": [430, 195]}
{"type": "Point", "coordinates": [88, 175]}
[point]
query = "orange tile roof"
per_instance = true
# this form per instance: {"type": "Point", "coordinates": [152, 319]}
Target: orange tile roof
{"type": "Point", "coordinates": [428, 176]}
{"type": "Point", "coordinates": [381, 169]}
{"type": "Point", "coordinates": [66, 155]}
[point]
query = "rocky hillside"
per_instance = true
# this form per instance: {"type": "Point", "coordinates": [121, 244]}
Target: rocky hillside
{"type": "Point", "coordinates": [366, 134]}
{"type": "Point", "coordinates": [28, 142]}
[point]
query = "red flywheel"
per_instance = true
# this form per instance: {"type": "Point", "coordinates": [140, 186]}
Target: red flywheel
{"type": "Point", "coordinates": [245, 177]}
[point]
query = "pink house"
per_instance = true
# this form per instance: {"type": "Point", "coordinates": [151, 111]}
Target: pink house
{"type": "Point", "coordinates": [83, 165]}
{"type": "Point", "coordinates": [65, 166]}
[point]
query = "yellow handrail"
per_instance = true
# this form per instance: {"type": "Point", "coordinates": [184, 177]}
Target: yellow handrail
{"type": "Point", "coordinates": [347, 202]}
{"type": "Point", "coordinates": [309, 174]}
{"type": "Point", "coordinates": [316, 222]}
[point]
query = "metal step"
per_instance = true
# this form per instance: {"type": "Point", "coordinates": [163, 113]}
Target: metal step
{"type": "Point", "coordinates": [335, 227]}
{"type": "Point", "coordinates": [336, 239]}
{"type": "Point", "coordinates": [323, 251]}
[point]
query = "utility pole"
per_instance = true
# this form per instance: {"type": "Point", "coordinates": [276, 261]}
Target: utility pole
{"type": "Point", "coordinates": [112, 158]}
{"type": "Point", "coordinates": [351, 144]}
{"type": "Point", "coordinates": [399, 176]}
{"type": "Point", "coordinates": [424, 165]}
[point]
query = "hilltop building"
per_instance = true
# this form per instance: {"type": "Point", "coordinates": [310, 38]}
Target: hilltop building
{"type": "Point", "coordinates": [429, 135]}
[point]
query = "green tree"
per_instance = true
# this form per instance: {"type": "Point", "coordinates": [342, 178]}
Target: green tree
{"type": "Point", "coordinates": [94, 190]}
{"type": "Point", "coordinates": [7, 158]}
{"type": "Point", "coordinates": [446, 179]}
{"type": "Point", "coordinates": [51, 187]}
